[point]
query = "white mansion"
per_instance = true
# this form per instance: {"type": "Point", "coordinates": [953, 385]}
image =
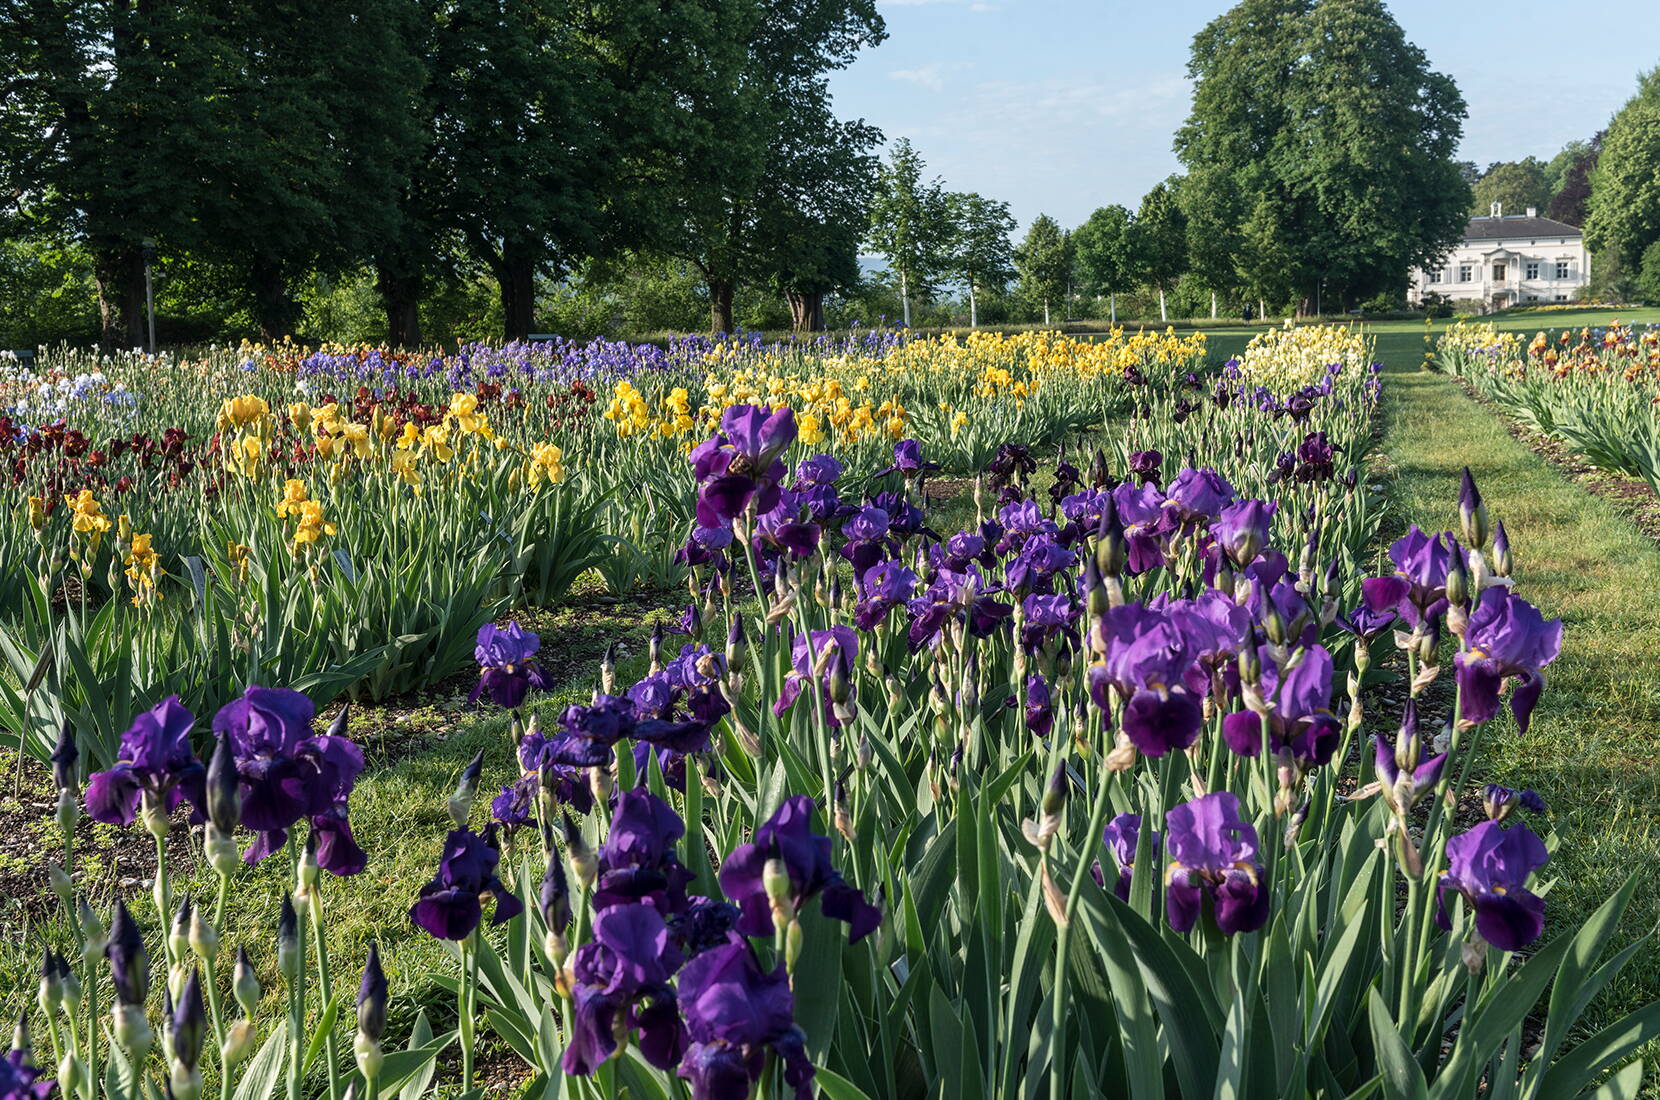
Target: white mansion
{"type": "Point", "coordinates": [1507, 260]}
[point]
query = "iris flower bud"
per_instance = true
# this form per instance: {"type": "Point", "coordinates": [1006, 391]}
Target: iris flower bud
{"type": "Point", "coordinates": [305, 877]}
{"type": "Point", "coordinates": [71, 1074]}
{"type": "Point", "coordinates": [178, 933]}
{"type": "Point", "coordinates": [189, 1024]}
{"type": "Point", "coordinates": [239, 1042]}
{"type": "Point", "coordinates": [461, 802]}
{"type": "Point", "coordinates": [64, 757]}
{"type": "Point", "coordinates": [337, 728]}
{"type": "Point", "coordinates": [1472, 512]}
{"type": "Point", "coordinates": [1098, 470]}
{"type": "Point", "coordinates": [61, 884]}
{"type": "Point", "coordinates": [1501, 551]}
{"type": "Point", "coordinates": [224, 789]}
{"type": "Point", "coordinates": [204, 938]}
{"type": "Point", "coordinates": [51, 986]}
{"type": "Point", "coordinates": [129, 964]}
{"type": "Point", "coordinates": [584, 864]}
{"type": "Point", "coordinates": [737, 646]}
{"type": "Point", "coordinates": [94, 936]}
{"type": "Point", "coordinates": [244, 984]}
{"type": "Point", "coordinates": [371, 999]}
{"type": "Point", "coordinates": [608, 668]}
{"type": "Point", "coordinates": [656, 648]}
{"type": "Point", "coordinates": [288, 942]}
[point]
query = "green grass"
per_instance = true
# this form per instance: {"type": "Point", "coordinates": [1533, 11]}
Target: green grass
{"type": "Point", "coordinates": [1594, 739]}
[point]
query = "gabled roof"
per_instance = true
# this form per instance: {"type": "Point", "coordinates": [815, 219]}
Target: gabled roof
{"type": "Point", "coordinates": [1517, 225]}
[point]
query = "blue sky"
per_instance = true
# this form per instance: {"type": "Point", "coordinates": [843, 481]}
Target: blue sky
{"type": "Point", "coordinates": [1060, 106]}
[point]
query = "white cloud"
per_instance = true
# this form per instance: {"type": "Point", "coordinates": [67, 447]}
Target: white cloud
{"type": "Point", "coordinates": [930, 76]}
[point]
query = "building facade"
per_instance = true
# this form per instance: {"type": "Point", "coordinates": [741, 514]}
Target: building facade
{"type": "Point", "coordinates": [1507, 260]}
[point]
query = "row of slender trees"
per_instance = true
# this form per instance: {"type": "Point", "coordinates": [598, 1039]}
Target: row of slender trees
{"type": "Point", "coordinates": [280, 138]}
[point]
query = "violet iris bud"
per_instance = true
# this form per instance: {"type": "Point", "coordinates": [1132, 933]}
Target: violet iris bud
{"type": "Point", "coordinates": [1506, 637]}
{"type": "Point", "coordinates": [1472, 512]}
{"type": "Point", "coordinates": [1099, 472]}
{"type": "Point", "coordinates": [189, 1029]}
{"type": "Point", "coordinates": [1040, 712]}
{"type": "Point", "coordinates": [129, 964]}
{"type": "Point", "coordinates": [64, 757]}
{"type": "Point", "coordinates": [288, 941]}
{"type": "Point", "coordinates": [1501, 551]}
{"type": "Point", "coordinates": [244, 983]}
{"type": "Point", "coordinates": [1403, 783]}
{"type": "Point", "coordinates": [371, 1016]}
{"type": "Point", "coordinates": [461, 802]}
{"type": "Point", "coordinates": [555, 906]}
{"type": "Point", "coordinates": [224, 788]}
{"type": "Point", "coordinates": [1490, 865]}
{"type": "Point", "coordinates": [1500, 801]}
{"type": "Point", "coordinates": [1213, 858]}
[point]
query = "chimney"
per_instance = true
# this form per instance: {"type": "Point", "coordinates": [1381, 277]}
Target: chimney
{"type": "Point", "coordinates": [1533, 211]}
{"type": "Point", "coordinates": [1495, 210]}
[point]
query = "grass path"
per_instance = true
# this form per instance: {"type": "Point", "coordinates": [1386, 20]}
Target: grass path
{"type": "Point", "coordinates": [1593, 749]}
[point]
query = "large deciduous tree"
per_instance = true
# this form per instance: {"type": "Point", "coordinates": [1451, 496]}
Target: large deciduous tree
{"type": "Point", "coordinates": [1515, 185]}
{"type": "Point", "coordinates": [1158, 237]}
{"type": "Point", "coordinates": [981, 252]}
{"type": "Point", "coordinates": [1044, 260]}
{"type": "Point", "coordinates": [910, 223]}
{"type": "Point", "coordinates": [1103, 251]}
{"type": "Point", "coordinates": [1623, 214]}
{"type": "Point", "coordinates": [1320, 146]}
{"type": "Point", "coordinates": [1573, 195]}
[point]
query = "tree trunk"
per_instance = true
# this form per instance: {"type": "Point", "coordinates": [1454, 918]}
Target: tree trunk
{"type": "Point", "coordinates": [973, 308]}
{"type": "Point", "coordinates": [721, 293]}
{"type": "Point", "coordinates": [119, 274]}
{"type": "Point", "coordinates": [1046, 313]}
{"type": "Point", "coordinates": [1112, 307]}
{"type": "Point", "coordinates": [806, 311]}
{"type": "Point", "coordinates": [1213, 305]}
{"type": "Point", "coordinates": [400, 293]}
{"type": "Point", "coordinates": [1162, 317]}
{"type": "Point", "coordinates": [905, 297]}
{"type": "Point", "coordinates": [517, 279]}
{"type": "Point", "coordinates": [275, 310]}
{"type": "Point", "coordinates": [1262, 310]}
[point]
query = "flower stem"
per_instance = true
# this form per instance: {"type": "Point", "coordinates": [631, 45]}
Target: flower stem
{"type": "Point", "coordinates": [325, 990]}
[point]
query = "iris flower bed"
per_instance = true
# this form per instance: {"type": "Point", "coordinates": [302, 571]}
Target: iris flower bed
{"type": "Point", "coordinates": [1595, 389]}
{"type": "Point", "coordinates": [1085, 798]}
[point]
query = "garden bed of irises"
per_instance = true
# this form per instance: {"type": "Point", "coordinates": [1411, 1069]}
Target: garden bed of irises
{"type": "Point", "coordinates": [1597, 390]}
{"type": "Point", "coordinates": [341, 521]}
{"type": "Point", "coordinates": [1079, 800]}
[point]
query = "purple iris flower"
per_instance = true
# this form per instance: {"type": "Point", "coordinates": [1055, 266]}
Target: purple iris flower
{"type": "Point", "coordinates": [1489, 865]}
{"type": "Point", "coordinates": [1506, 637]}
{"type": "Point", "coordinates": [586, 734]}
{"type": "Point", "coordinates": [154, 763]}
{"type": "Point", "coordinates": [759, 435]}
{"type": "Point", "coordinates": [1213, 857]}
{"type": "Point", "coordinates": [286, 774]}
{"type": "Point", "coordinates": [21, 1081]}
{"type": "Point", "coordinates": [1418, 587]}
{"type": "Point", "coordinates": [1500, 801]}
{"type": "Point", "coordinates": [1044, 618]}
{"type": "Point", "coordinates": [907, 460]}
{"type": "Point", "coordinates": [1145, 465]}
{"type": "Point", "coordinates": [1147, 660]}
{"type": "Point", "coordinates": [883, 587]}
{"type": "Point", "coordinates": [959, 550]}
{"type": "Point", "coordinates": [1121, 836]}
{"type": "Point", "coordinates": [563, 783]}
{"type": "Point", "coordinates": [1040, 710]}
{"type": "Point", "coordinates": [637, 862]}
{"type": "Point", "coordinates": [1364, 623]}
{"type": "Point", "coordinates": [954, 596]}
{"type": "Point", "coordinates": [830, 653]}
{"type": "Point", "coordinates": [735, 1012]}
{"type": "Point", "coordinates": [704, 924]}
{"type": "Point", "coordinates": [787, 836]}
{"type": "Point", "coordinates": [867, 539]}
{"type": "Point", "coordinates": [741, 465]}
{"type": "Point", "coordinates": [1146, 522]}
{"type": "Point", "coordinates": [1242, 530]}
{"type": "Point", "coordinates": [1301, 721]}
{"type": "Point", "coordinates": [514, 807]}
{"type": "Point", "coordinates": [781, 531]}
{"type": "Point", "coordinates": [905, 519]}
{"type": "Point", "coordinates": [506, 665]}
{"type": "Point", "coordinates": [631, 951]}
{"type": "Point", "coordinates": [449, 906]}
{"type": "Point", "coordinates": [1034, 568]}
{"type": "Point", "coordinates": [1200, 495]}
{"type": "Point", "coordinates": [1216, 628]}
{"type": "Point", "coordinates": [820, 469]}
{"type": "Point", "coordinates": [1021, 521]}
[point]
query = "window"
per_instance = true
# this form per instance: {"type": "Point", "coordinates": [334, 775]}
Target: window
{"type": "Point", "coordinates": [1561, 269]}
{"type": "Point", "coordinates": [1465, 273]}
{"type": "Point", "coordinates": [1561, 297]}
{"type": "Point", "coordinates": [1532, 269]}
{"type": "Point", "coordinates": [1498, 273]}
{"type": "Point", "coordinates": [1435, 276]}
{"type": "Point", "coordinates": [1533, 297]}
